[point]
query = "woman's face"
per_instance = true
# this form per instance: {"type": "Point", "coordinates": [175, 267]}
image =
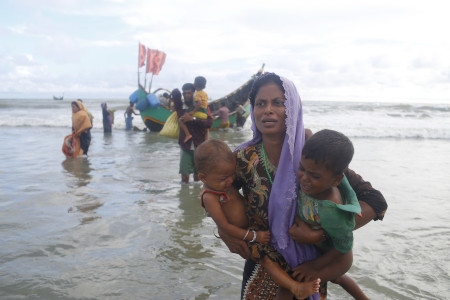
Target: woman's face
{"type": "Point", "coordinates": [269, 109]}
{"type": "Point", "coordinates": [75, 108]}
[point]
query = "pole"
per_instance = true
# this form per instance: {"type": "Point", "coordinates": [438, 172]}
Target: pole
{"type": "Point", "coordinates": [150, 84]}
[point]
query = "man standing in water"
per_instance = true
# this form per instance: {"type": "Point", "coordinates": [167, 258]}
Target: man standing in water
{"type": "Point", "coordinates": [198, 129]}
{"type": "Point", "coordinates": [128, 114]}
{"type": "Point", "coordinates": [223, 113]}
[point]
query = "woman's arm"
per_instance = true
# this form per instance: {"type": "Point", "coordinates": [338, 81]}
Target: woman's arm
{"type": "Point", "coordinates": [376, 204]}
{"type": "Point", "coordinates": [235, 245]}
{"type": "Point", "coordinates": [327, 267]}
{"type": "Point", "coordinates": [214, 209]}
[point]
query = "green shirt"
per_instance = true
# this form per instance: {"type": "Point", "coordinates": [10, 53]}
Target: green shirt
{"type": "Point", "coordinates": [338, 220]}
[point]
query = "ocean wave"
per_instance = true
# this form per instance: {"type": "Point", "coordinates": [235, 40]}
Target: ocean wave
{"type": "Point", "coordinates": [357, 120]}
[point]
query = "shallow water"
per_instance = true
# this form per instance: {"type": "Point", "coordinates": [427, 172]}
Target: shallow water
{"type": "Point", "coordinates": [119, 224]}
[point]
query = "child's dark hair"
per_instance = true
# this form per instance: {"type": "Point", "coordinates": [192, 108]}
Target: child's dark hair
{"type": "Point", "coordinates": [330, 147]}
{"type": "Point", "coordinates": [211, 152]}
{"type": "Point", "coordinates": [200, 82]}
{"type": "Point", "coordinates": [176, 98]}
{"type": "Point", "coordinates": [262, 80]}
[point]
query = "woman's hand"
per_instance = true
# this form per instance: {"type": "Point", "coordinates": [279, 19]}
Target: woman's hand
{"type": "Point", "coordinates": [327, 267]}
{"type": "Point", "coordinates": [235, 245]}
{"type": "Point", "coordinates": [303, 234]}
{"type": "Point", "coordinates": [307, 271]}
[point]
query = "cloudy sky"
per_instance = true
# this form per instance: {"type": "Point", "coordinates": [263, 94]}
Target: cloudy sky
{"type": "Point", "coordinates": [333, 50]}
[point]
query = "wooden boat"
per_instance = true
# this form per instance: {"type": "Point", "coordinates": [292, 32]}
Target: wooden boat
{"type": "Point", "coordinates": [58, 98]}
{"type": "Point", "coordinates": [155, 117]}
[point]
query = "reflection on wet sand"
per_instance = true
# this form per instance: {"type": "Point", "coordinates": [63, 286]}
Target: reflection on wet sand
{"type": "Point", "coordinates": [80, 168]}
{"type": "Point", "coordinates": [85, 202]}
{"type": "Point", "coordinates": [186, 234]}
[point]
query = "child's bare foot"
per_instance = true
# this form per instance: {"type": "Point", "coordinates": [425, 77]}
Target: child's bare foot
{"type": "Point", "coordinates": [187, 138]}
{"type": "Point", "coordinates": [301, 290]}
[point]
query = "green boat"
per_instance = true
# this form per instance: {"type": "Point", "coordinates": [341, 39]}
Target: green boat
{"type": "Point", "coordinates": [154, 116]}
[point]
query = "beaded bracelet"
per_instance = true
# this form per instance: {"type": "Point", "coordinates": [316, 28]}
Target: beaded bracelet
{"type": "Point", "coordinates": [245, 236]}
{"type": "Point", "coordinates": [254, 237]}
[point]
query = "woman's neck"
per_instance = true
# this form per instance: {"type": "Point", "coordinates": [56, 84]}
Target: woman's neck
{"type": "Point", "coordinates": [273, 147]}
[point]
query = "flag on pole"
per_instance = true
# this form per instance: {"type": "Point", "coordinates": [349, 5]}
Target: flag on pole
{"type": "Point", "coordinates": [155, 61]}
{"type": "Point", "coordinates": [142, 54]}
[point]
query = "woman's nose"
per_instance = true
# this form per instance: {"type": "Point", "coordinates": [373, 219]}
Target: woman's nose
{"type": "Point", "coordinates": [268, 108]}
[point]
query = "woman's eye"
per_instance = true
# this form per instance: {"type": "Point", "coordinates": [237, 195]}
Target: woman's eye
{"type": "Point", "coordinates": [278, 102]}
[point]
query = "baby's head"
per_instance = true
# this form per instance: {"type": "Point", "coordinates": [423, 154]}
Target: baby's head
{"type": "Point", "coordinates": [200, 82]}
{"type": "Point", "coordinates": [331, 148]}
{"type": "Point", "coordinates": [215, 164]}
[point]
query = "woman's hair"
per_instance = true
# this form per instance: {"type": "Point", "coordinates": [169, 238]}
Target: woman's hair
{"type": "Point", "coordinates": [262, 80]}
{"type": "Point", "coordinates": [75, 103]}
{"type": "Point", "coordinates": [200, 82]}
{"type": "Point", "coordinates": [176, 97]}
{"type": "Point", "coordinates": [330, 147]}
{"type": "Point", "coordinates": [209, 153]}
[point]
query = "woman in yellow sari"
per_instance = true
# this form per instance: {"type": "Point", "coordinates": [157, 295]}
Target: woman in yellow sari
{"type": "Point", "coordinates": [81, 125]}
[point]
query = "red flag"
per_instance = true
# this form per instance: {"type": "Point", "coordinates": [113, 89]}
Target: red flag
{"type": "Point", "coordinates": [142, 54]}
{"type": "Point", "coordinates": [158, 62]}
{"type": "Point", "coordinates": [150, 54]}
{"type": "Point", "coordinates": [155, 61]}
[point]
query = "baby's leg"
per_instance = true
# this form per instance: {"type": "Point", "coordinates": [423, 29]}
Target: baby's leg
{"type": "Point", "coordinates": [185, 130]}
{"type": "Point", "coordinates": [302, 290]}
{"type": "Point", "coordinates": [348, 284]}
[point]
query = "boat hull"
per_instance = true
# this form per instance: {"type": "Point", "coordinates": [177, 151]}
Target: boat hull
{"type": "Point", "coordinates": [155, 117]}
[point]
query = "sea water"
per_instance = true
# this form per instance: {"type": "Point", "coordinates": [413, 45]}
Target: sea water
{"type": "Point", "coordinates": [119, 224]}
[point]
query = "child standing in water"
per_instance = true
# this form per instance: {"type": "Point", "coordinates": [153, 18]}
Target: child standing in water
{"type": "Point", "coordinates": [201, 104]}
{"type": "Point", "coordinates": [216, 166]}
{"type": "Point", "coordinates": [327, 201]}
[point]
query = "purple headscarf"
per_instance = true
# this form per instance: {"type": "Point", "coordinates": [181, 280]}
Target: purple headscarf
{"type": "Point", "coordinates": [283, 196]}
{"type": "Point", "coordinates": [108, 114]}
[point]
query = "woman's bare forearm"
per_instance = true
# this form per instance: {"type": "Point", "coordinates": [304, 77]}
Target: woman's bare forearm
{"type": "Point", "coordinates": [235, 245]}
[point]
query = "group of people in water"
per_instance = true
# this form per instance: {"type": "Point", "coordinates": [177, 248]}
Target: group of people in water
{"type": "Point", "coordinates": [78, 142]}
{"type": "Point", "coordinates": [285, 201]}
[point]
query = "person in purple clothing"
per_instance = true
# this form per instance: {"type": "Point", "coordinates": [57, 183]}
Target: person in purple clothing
{"type": "Point", "coordinates": [267, 174]}
{"type": "Point", "coordinates": [107, 118]}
